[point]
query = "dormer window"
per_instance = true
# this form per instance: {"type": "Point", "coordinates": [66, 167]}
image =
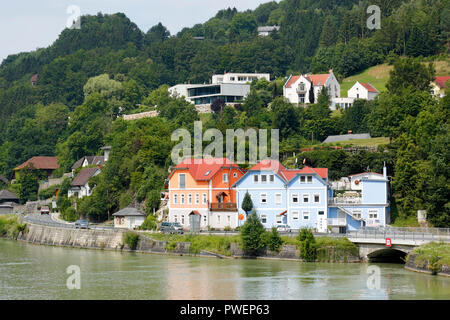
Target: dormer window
{"type": "Point", "coordinates": [207, 172]}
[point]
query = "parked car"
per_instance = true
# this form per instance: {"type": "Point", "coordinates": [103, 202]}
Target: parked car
{"type": "Point", "coordinates": [82, 224]}
{"type": "Point", "coordinates": [45, 210]}
{"type": "Point", "coordinates": [171, 227]}
{"type": "Point", "coordinates": [283, 228]}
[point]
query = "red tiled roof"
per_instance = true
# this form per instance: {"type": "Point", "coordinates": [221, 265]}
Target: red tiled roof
{"type": "Point", "coordinates": [83, 177]}
{"type": "Point", "coordinates": [288, 174]}
{"type": "Point", "coordinates": [204, 169]}
{"type": "Point", "coordinates": [318, 79]}
{"type": "Point", "coordinates": [440, 81]}
{"type": "Point", "coordinates": [369, 87]}
{"type": "Point", "coordinates": [292, 81]}
{"type": "Point", "coordinates": [40, 163]}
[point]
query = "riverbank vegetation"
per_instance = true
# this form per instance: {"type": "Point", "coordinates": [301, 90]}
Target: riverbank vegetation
{"type": "Point", "coordinates": [131, 239]}
{"type": "Point", "coordinates": [11, 226]}
{"type": "Point", "coordinates": [432, 256]}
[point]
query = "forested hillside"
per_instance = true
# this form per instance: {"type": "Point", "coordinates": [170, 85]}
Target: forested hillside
{"type": "Point", "coordinates": [89, 77]}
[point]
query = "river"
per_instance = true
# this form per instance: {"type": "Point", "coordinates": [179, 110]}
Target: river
{"type": "Point", "coordinates": [30, 271]}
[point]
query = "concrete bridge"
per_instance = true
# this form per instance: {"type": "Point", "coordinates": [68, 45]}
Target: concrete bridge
{"type": "Point", "coordinates": [372, 243]}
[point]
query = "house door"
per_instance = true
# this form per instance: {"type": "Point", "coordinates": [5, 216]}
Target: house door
{"type": "Point", "coordinates": [321, 222]}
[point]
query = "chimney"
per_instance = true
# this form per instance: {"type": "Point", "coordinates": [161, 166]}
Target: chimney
{"type": "Point", "coordinates": [384, 170]}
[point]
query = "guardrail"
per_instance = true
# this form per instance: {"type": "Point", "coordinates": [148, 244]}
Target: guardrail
{"type": "Point", "coordinates": [400, 234]}
{"type": "Point", "coordinates": [47, 221]}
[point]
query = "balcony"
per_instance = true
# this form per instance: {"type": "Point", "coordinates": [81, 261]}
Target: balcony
{"type": "Point", "coordinates": [339, 222]}
{"type": "Point", "coordinates": [225, 206]}
{"type": "Point", "coordinates": [345, 200]}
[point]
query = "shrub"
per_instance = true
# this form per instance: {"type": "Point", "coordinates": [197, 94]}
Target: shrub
{"type": "Point", "coordinates": [69, 214]}
{"type": "Point", "coordinates": [131, 239]}
{"type": "Point", "coordinates": [149, 223]}
{"type": "Point", "coordinates": [273, 240]}
{"type": "Point", "coordinates": [227, 228]}
{"type": "Point", "coordinates": [308, 246]}
{"type": "Point", "coordinates": [252, 235]}
{"type": "Point", "coordinates": [171, 246]}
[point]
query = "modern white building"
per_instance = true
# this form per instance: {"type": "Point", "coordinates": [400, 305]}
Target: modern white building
{"type": "Point", "coordinates": [264, 31]}
{"type": "Point", "coordinates": [297, 88]}
{"type": "Point", "coordinates": [205, 94]}
{"type": "Point", "coordinates": [239, 77]}
{"type": "Point", "coordinates": [128, 218]}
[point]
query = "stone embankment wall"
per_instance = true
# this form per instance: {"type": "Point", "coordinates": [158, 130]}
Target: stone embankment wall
{"type": "Point", "coordinates": [292, 252]}
{"type": "Point", "coordinates": [148, 114]}
{"type": "Point", "coordinates": [413, 266]}
{"type": "Point", "coordinates": [100, 239]}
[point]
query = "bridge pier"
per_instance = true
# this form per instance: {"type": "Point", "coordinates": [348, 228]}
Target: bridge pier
{"type": "Point", "coordinates": [380, 253]}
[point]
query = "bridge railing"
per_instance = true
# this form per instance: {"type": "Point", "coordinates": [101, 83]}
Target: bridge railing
{"type": "Point", "coordinates": [406, 234]}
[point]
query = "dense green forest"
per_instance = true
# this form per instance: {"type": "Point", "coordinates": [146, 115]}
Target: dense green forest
{"type": "Point", "coordinates": [89, 77]}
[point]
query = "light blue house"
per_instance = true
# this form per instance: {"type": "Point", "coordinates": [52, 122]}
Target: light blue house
{"type": "Point", "coordinates": [363, 202]}
{"type": "Point", "coordinates": [282, 196]}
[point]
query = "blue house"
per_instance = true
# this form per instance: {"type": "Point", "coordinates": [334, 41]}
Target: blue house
{"type": "Point", "coordinates": [362, 202]}
{"type": "Point", "coordinates": [282, 196]}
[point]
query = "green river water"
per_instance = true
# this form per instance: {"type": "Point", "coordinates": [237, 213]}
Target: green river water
{"type": "Point", "coordinates": [30, 271]}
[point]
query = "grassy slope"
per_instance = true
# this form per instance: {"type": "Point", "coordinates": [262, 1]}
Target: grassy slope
{"type": "Point", "coordinates": [379, 75]}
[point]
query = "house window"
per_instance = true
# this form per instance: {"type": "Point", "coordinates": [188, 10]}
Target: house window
{"type": "Point", "coordinates": [175, 199]}
{"type": "Point", "coordinates": [182, 181]}
{"type": "Point", "coordinates": [295, 198]}
{"type": "Point", "coordinates": [301, 98]}
{"type": "Point", "coordinates": [190, 198]}
{"type": "Point", "coordinates": [357, 214]}
{"type": "Point", "coordinates": [204, 198]}
{"type": "Point", "coordinates": [321, 213]}
{"type": "Point", "coordinates": [175, 218]}
{"type": "Point", "coordinates": [263, 218]}
{"type": "Point", "coordinates": [182, 199]}
{"type": "Point", "coordinates": [309, 179]}
{"type": "Point", "coordinates": [255, 178]}
{"type": "Point", "coordinates": [204, 219]}
{"type": "Point", "coordinates": [263, 178]}
{"type": "Point", "coordinates": [263, 197]}
{"type": "Point", "coordinates": [271, 178]}
{"type": "Point", "coordinates": [218, 219]}
{"type": "Point", "coordinates": [224, 177]}
{"type": "Point", "coordinates": [279, 219]}
{"type": "Point", "coordinates": [182, 219]}
{"type": "Point", "coordinates": [305, 215]}
{"type": "Point", "coordinates": [316, 198]}
{"type": "Point", "coordinates": [302, 179]}
{"type": "Point", "coordinates": [301, 86]}
{"type": "Point", "coordinates": [229, 220]}
{"type": "Point", "coordinates": [305, 198]}
{"type": "Point", "coordinates": [197, 198]}
{"type": "Point", "coordinates": [235, 175]}
{"type": "Point", "coordinates": [373, 214]}
{"type": "Point", "coordinates": [278, 198]}
{"type": "Point", "coordinates": [295, 215]}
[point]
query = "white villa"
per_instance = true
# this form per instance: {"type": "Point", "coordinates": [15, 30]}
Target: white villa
{"type": "Point", "coordinates": [296, 89]}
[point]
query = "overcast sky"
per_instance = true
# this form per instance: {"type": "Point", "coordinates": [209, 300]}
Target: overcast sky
{"type": "Point", "coordinates": [26, 25]}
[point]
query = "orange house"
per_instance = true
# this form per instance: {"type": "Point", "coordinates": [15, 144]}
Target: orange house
{"type": "Point", "coordinates": [204, 187]}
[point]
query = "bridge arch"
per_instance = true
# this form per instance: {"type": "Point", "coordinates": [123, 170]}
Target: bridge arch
{"type": "Point", "coordinates": [391, 255]}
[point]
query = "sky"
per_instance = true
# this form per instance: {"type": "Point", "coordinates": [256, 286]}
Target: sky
{"type": "Point", "coordinates": [27, 25]}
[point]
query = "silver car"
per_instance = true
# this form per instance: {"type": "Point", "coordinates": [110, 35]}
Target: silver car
{"type": "Point", "coordinates": [82, 224]}
{"type": "Point", "coordinates": [283, 228]}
